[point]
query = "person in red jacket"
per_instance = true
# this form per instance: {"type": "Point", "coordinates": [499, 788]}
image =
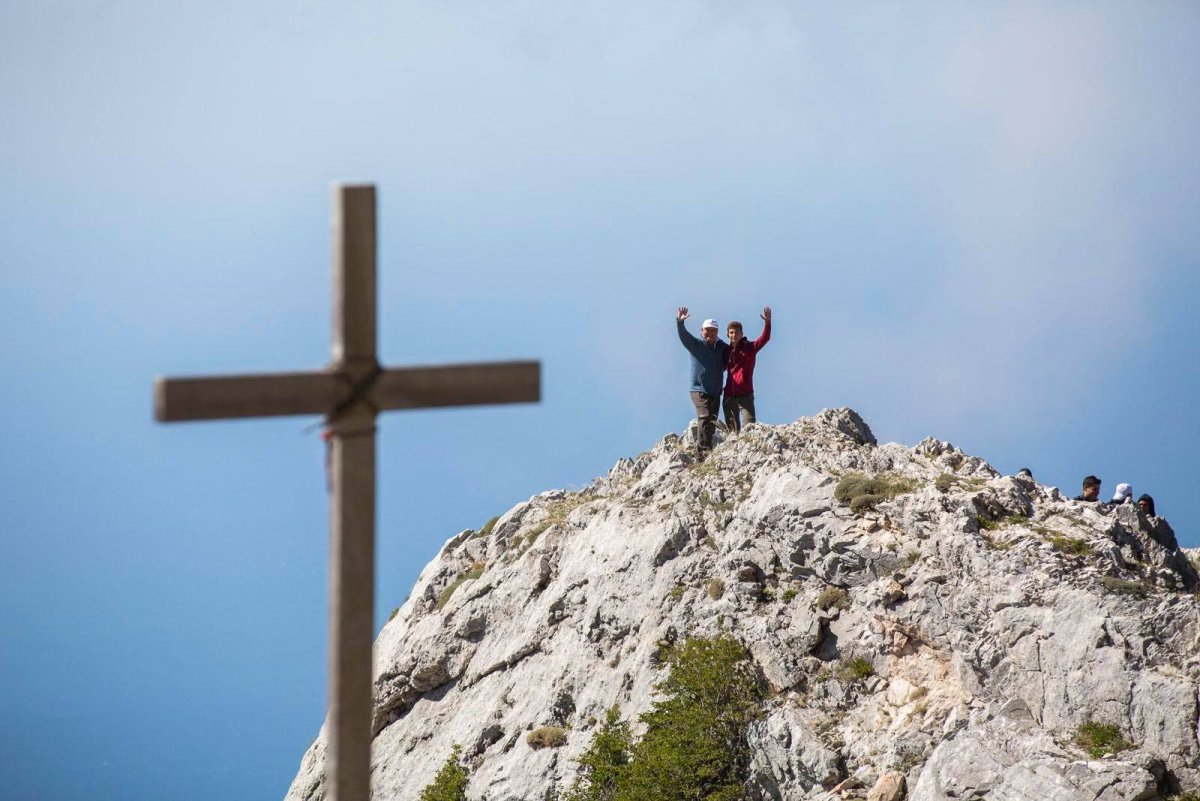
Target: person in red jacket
{"type": "Point", "coordinates": [739, 381]}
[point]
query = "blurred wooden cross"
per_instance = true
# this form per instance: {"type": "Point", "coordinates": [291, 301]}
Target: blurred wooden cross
{"type": "Point", "coordinates": [349, 392]}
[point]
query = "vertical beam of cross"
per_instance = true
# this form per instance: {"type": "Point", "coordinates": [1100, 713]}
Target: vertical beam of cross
{"type": "Point", "coordinates": [350, 392]}
{"type": "Point", "coordinates": [352, 508]}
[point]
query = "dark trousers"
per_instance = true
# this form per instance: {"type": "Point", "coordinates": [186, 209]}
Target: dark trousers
{"type": "Point", "coordinates": [706, 415]}
{"type": "Point", "coordinates": [739, 411]}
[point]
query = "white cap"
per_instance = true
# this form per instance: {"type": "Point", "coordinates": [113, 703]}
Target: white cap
{"type": "Point", "coordinates": [710, 324]}
{"type": "Point", "coordinates": [1124, 491]}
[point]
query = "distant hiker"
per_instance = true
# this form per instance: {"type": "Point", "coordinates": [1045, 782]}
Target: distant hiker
{"type": "Point", "coordinates": [709, 355]}
{"type": "Point", "coordinates": [1124, 494]}
{"type": "Point", "coordinates": [1145, 505]}
{"type": "Point", "coordinates": [739, 382]}
{"type": "Point", "coordinates": [1091, 489]}
{"type": "Point", "coordinates": [1025, 472]}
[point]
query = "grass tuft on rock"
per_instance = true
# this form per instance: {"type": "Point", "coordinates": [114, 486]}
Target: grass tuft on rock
{"type": "Point", "coordinates": [1072, 546]}
{"type": "Point", "coordinates": [862, 493]}
{"type": "Point", "coordinates": [1124, 586]}
{"type": "Point", "coordinates": [833, 598]}
{"type": "Point", "coordinates": [716, 588]}
{"type": "Point", "coordinates": [854, 669]}
{"type": "Point", "coordinates": [1099, 739]}
{"type": "Point", "coordinates": [547, 737]}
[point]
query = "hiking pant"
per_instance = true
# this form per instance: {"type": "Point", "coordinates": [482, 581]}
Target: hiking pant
{"type": "Point", "coordinates": [739, 411]}
{"type": "Point", "coordinates": [706, 415]}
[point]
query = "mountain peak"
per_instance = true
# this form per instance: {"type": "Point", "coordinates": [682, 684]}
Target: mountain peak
{"type": "Point", "coordinates": [922, 622]}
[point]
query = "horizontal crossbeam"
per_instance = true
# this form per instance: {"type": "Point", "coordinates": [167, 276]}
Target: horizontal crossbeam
{"type": "Point", "coordinates": [318, 392]}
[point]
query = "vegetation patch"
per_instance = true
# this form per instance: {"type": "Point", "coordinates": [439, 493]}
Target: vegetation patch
{"type": "Point", "coordinates": [1017, 520]}
{"type": "Point", "coordinates": [833, 598]}
{"type": "Point", "coordinates": [1124, 586]}
{"type": "Point", "coordinates": [450, 783]}
{"type": "Point", "coordinates": [488, 526]}
{"type": "Point", "coordinates": [707, 500]}
{"type": "Point", "coordinates": [677, 592]}
{"type": "Point", "coordinates": [695, 744]}
{"type": "Point", "coordinates": [445, 595]}
{"type": "Point", "coordinates": [997, 544]}
{"type": "Point", "coordinates": [547, 737]}
{"type": "Point", "coordinates": [716, 588]}
{"type": "Point", "coordinates": [1070, 545]}
{"type": "Point", "coordinates": [706, 468]}
{"type": "Point", "coordinates": [1099, 739]}
{"type": "Point", "coordinates": [945, 482]}
{"type": "Point", "coordinates": [603, 766]}
{"type": "Point", "coordinates": [766, 595]}
{"type": "Point", "coordinates": [861, 492]}
{"type": "Point", "coordinates": [986, 523]}
{"type": "Point", "coordinates": [790, 594]}
{"type": "Point", "coordinates": [854, 669]}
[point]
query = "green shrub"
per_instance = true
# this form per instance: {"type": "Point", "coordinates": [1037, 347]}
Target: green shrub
{"type": "Point", "coordinates": [833, 597]}
{"type": "Point", "coordinates": [716, 588]}
{"type": "Point", "coordinates": [790, 594]}
{"type": "Point", "coordinates": [695, 744]}
{"type": "Point", "coordinates": [603, 764]}
{"type": "Point", "coordinates": [677, 592]}
{"type": "Point", "coordinates": [865, 503]}
{"type": "Point", "coordinates": [547, 737]}
{"type": "Point", "coordinates": [862, 492]}
{"type": "Point", "coordinates": [851, 486]}
{"type": "Point", "coordinates": [392, 616]}
{"type": "Point", "coordinates": [1099, 739]}
{"type": "Point", "coordinates": [986, 523]}
{"type": "Point", "coordinates": [855, 669]}
{"type": "Point", "coordinates": [1016, 520]}
{"type": "Point", "coordinates": [450, 783]}
{"type": "Point", "coordinates": [945, 482]}
{"type": "Point", "coordinates": [488, 526]}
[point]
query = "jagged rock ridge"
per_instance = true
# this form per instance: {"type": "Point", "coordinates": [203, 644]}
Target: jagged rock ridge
{"type": "Point", "coordinates": [990, 618]}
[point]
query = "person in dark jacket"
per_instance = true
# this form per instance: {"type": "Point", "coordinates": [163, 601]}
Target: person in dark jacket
{"type": "Point", "coordinates": [709, 355]}
{"type": "Point", "coordinates": [739, 380]}
{"type": "Point", "coordinates": [1145, 505]}
{"type": "Point", "coordinates": [1091, 489]}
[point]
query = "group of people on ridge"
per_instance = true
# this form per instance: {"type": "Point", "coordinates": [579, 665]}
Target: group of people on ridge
{"type": "Point", "coordinates": [1123, 495]}
{"type": "Point", "coordinates": [722, 369]}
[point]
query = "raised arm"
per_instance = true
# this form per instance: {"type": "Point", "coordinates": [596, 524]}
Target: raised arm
{"type": "Point", "coordinates": [765, 337]}
{"type": "Point", "coordinates": [690, 342]}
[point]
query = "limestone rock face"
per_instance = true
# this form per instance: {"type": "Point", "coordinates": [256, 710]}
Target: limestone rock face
{"type": "Point", "coordinates": [989, 618]}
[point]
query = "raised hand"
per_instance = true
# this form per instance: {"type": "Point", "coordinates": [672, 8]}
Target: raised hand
{"type": "Point", "coordinates": [683, 313]}
{"type": "Point", "coordinates": [766, 313]}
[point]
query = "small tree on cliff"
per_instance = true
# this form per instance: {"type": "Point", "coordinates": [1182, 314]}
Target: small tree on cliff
{"type": "Point", "coordinates": [695, 744]}
{"type": "Point", "coordinates": [450, 783]}
{"type": "Point", "coordinates": [604, 762]}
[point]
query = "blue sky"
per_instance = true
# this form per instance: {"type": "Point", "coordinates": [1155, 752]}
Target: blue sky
{"type": "Point", "coordinates": [972, 221]}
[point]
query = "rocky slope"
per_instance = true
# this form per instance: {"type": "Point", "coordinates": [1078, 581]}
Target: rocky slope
{"type": "Point", "coordinates": [948, 643]}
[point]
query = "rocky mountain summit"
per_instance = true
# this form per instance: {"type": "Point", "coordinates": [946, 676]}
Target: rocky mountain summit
{"type": "Point", "coordinates": [926, 628]}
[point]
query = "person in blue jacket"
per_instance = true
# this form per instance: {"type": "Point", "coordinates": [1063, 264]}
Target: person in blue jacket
{"type": "Point", "coordinates": [709, 357]}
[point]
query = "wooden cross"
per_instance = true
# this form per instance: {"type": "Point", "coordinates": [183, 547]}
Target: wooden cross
{"type": "Point", "coordinates": [349, 392]}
